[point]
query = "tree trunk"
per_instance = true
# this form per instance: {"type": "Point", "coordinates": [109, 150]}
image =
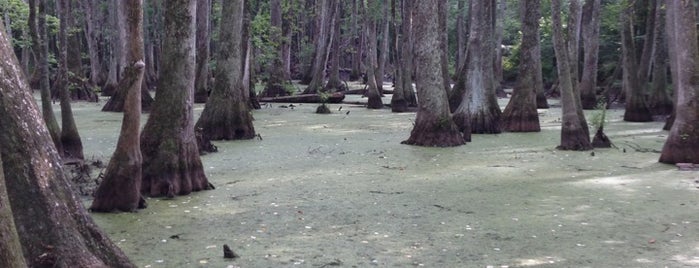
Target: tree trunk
{"type": "Point", "coordinates": [201, 84]}
{"type": "Point", "coordinates": [334, 83]}
{"type": "Point", "coordinates": [70, 138]}
{"type": "Point", "coordinates": [317, 73]}
{"type": "Point", "coordinates": [644, 63]}
{"type": "Point", "coordinates": [443, 15]}
{"type": "Point", "coordinates": [357, 41]}
{"type": "Point", "coordinates": [398, 102]}
{"type": "Point", "coordinates": [383, 52]}
{"type": "Point", "coordinates": [433, 123]}
{"type": "Point", "coordinates": [109, 88]}
{"type": "Point", "coordinates": [10, 247]}
{"type": "Point", "coordinates": [171, 163]}
{"type": "Point", "coordinates": [541, 101]}
{"type": "Point", "coordinates": [574, 134]}
{"type": "Point", "coordinates": [590, 28]}
{"type": "Point", "coordinates": [117, 102]}
{"type": "Point", "coordinates": [660, 102]}
{"type": "Point", "coordinates": [460, 35]}
{"type": "Point", "coordinates": [521, 115]}
{"type": "Point", "coordinates": [374, 96]}
{"type": "Point", "coordinates": [54, 228]}
{"type": "Point", "coordinates": [682, 145]}
{"type": "Point", "coordinates": [573, 41]}
{"type": "Point", "coordinates": [479, 103]}
{"type": "Point", "coordinates": [93, 13]}
{"type": "Point", "coordinates": [226, 115]}
{"type": "Point", "coordinates": [636, 107]}
{"type": "Point", "coordinates": [74, 42]}
{"type": "Point", "coordinates": [276, 82]}
{"type": "Point", "coordinates": [121, 187]}
{"type": "Point", "coordinates": [499, 35]}
{"type": "Point", "coordinates": [41, 45]}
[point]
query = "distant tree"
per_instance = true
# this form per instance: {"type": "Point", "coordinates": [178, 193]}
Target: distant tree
{"type": "Point", "coordinates": [682, 145]}
{"type": "Point", "coordinates": [334, 82]}
{"type": "Point", "coordinates": [121, 187]}
{"type": "Point", "coordinates": [70, 138]}
{"type": "Point", "coordinates": [41, 49]}
{"type": "Point", "coordinates": [403, 94]}
{"type": "Point", "coordinates": [574, 130]}
{"type": "Point", "coordinates": [371, 63]}
{"type": "Point", "coordinates": [226, 115]}
{"type": "Point", "coordinates": [315, 78]}
{"type": "Point", "coordinates": [660, 102]}
{"type": "Point", "coordinates": [433, 123]}
{"type": "Point", "coordinates": [590, 32]}
{"type": "Point", "coordinates": [521, 115]}
{"type": "Point", "coordinates": [201, 84]}
{"type": "Point", "coordinates": [116, 102]}
{"type": "Point", "coordinates": [53, 226]}
{"type": "Point", "coordinates": [171, 163]}
{"type": "Point", "coordinates": [478, 103]}
{"type": "Point", "coordinates": [276, 80]}
{"type": "Point", "coordinates": [634, 88]}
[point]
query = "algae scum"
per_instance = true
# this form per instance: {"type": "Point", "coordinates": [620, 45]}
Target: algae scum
{"type": "Point", "coordinates": [340, 190]}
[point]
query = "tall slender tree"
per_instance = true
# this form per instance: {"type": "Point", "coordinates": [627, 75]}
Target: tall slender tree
{"type": "Point", "coordinates": [370, 19]}
{"type": "Point", "coordinates": [521, 115]}
{"type": "Point", "coordinates": [317, 71]}
{"type": "Point", "coordinates": [171, 163]}
{"type": "Point", "coordinates": [433, 123]}
{"type": "Point", "coordinates": [478, 102]}
{"type": "Point", "coordinates": [590, 29]}
{"type": "Point", "coordinates": [574, 132]}
{"type": "Point", "coordinates": [121, 187]}
{"type": "Point", "coordinates": [634, 88]}
{"type": "Point", "coordinates": [41, 45]}
{"type": "Point", "coordinates": [226, 115]}
{"type": "Point", "coordinates": [70, 138]}
{"type": "Point", "coordinates": [53, 226]}
{"type": "Point", "coordinates": [201, 84]}
{"type": "Point", "coordinates": [660, 102]}
{"type": "Point", "coordinates": [276, 81]}
{"type": "Point", "coordinates": [682, 145]}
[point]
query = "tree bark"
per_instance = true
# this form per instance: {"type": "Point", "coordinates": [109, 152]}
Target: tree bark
{"type": "Point", "coordinates": [54, 228]}
{"type": "Point", "coordinates": [499, 35]}
{"type": "Point", "coordinates": [201, 84]}
{"type": "Point", "coordinates": [460, 35]}
{"type": "Point", "coordinates": [636, 107]}
{"type": "Point", "coordinates": [121, 187]}
{"type": "Point", "coordinates": [374, 96]}
{"type": "Point", "coordinates": [276, 82]}
{"type": "Point", "coordinates": [171, 163]}
{"type": "Point", "coordinates": [334, 83]}
{"type": "Point", "coordinates": [573, 41]}
{"type": "Point", "coordinates": [10, 247]}
{"type": "Point", "coordinates": [317, 73]}
{"type": "Point", "coordinates": [479, 103]}
{"type": "Point", "coordinates": [660, 102]}
{"type": "Point", "coordinates": [644, 63]}
{"type": "Point", "coordinates": [682, 145]}
{"type": "Point", "coordinates": [41, 46]}
{"type": "Point", "coordinates": [521, 115]}
{"type": "Point", "coordinates": [226, 115]}
{"type": "Point", "coordinates": [384, 50]}
{"type": "Point", "coordinates": [574, 133]}
{"type": "Point", "coordinates": [93, 37]}
{"type": "Point", "coordinates": [590, 28]}
{"type": "Point", "coordinates": [433, 123]}
{"type": "Point", "coordinates": [443, 15]}
{"type": "Point", "coordinates": [70, 138]}
{"type": "Point", "coordinates": [357, 38]}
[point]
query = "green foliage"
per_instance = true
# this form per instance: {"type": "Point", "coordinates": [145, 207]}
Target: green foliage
{"type": "Point", "coordinates": [17, 13]}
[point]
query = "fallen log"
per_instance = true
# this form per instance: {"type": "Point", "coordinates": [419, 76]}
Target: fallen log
{"type": "Point", "coordinates": [336, 97]}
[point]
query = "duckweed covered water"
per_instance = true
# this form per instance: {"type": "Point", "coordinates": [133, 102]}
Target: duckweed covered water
{"type": "Point", "coordinates": [340, 190]}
